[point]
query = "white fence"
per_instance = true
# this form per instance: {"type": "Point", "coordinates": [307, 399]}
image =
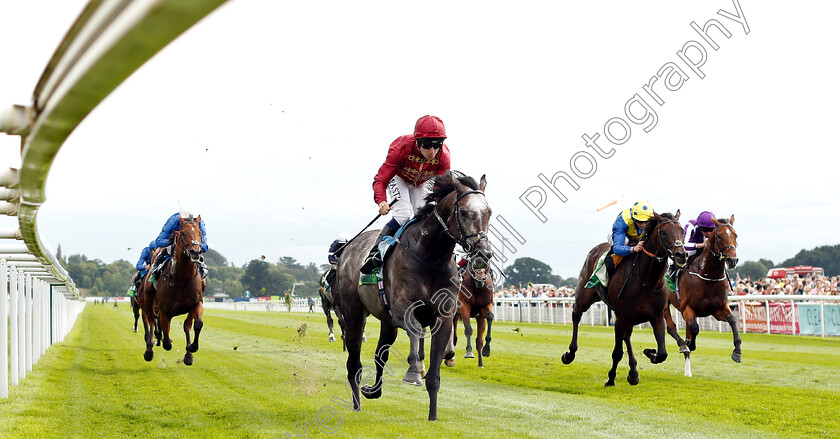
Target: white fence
{"type": "Point", "coordinates": [37, 316]}
{"type": "Point", "coordinates": [553, 310]}
{"type": "Point", "coordinates": [299, 304]}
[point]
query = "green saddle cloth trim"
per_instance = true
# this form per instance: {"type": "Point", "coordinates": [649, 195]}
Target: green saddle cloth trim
{"type": "Point", "coordinates": [671, 284]}
{"type": "Point", "coordinates": [371, 279]}
{"type": "Point", "coordinates": [599, 271]}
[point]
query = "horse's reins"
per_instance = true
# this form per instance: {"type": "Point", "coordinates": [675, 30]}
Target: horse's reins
{"type": "Point", "coordinates": [719, 255]}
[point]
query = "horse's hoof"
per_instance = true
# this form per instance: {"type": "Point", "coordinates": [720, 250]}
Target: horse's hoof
{"type": "Point", "coordinates": [567, 358]}
{"type": "Point", "coordinates": [332, 337]}
{"type": "Point", "coordinates": [684, 349]}
{"type": "Point", "coordinates": [188, 359]}
{"type": "Point", "coordinates": [736, 357]}
{"type": "Point", "coordinates": [633, 377]}
{"type": "Point", "coordinates": [423, 374]}
{"type": "Point", "coordinates": [469, 354]}
{"type": "Point", "coordinates": [651, 354]}
{"type": "Point", "coordinates": [192, 347]}
{"type": "Point", "coordinates": [148, 355]}
{"type": "Point", "coordinates": [135, 330]}
{"type": "Point", "coordinates": [371, 392]}
{"type": "Point", "coordinates": [450, 362]}
{"type": "Point", "coordinates": [486, 351]}
{"type": "Point", "coordinates": [449, 355]}
{"type": "Point", "coordinates": [609, 384]}
{"type": "Point", "coordinates": [167, 346]}
{"type": "Point", "coordinates": [157, 343]}
{"type": "Point", "coordinates": [692, 345]}
{"type": "Point", "coordinates": [413, 378]}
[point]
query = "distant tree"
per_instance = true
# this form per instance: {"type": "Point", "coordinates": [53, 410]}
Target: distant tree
{"type": "Point", "coordinates": [214, 259]}
{"type": "Point", "coordinates": [289, 262]}
{"type": "Point", "coordinates": [752, 269]}
{"type": "Point", "coordinates": [826, 256]}
{"type": "Point", "coordinates": [524, 270]}
{"type": "Point", "coordinates": [257, 275]}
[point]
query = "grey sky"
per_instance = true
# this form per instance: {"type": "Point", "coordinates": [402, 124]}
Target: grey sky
{"type": "Point", "coordinates": [273, 118]}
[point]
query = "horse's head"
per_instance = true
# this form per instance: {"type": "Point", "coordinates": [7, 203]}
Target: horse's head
{"type": "Point", "coordinates": [667, 233]}
{"type": "Point", "coordinates": [465, 215]}
{"type": "Point", "coordinates": [189, 238]}
{"type": "Point", "coordinates": [724, 241]}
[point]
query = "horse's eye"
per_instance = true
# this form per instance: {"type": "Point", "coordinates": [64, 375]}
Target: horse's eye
{"type": "Point", "coordinates": [464, 213]}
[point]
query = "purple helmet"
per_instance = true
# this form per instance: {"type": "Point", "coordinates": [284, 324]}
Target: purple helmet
{"type": "Point", "coordinates": [705, 220]}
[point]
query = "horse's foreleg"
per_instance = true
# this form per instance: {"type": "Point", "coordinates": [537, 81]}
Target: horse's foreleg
{"type": "Point", "coordinates": [618, 352]}
{"type": "Point", "coordinates": [691, 327]}
{"type": "Point", "coordinates": [633, 374]}
{"type": "Point", "coordinates": [727, 315]}
{"type": "Point", "coordinates": [329, 320]}
{"type": "Point", "coordinates": [468, 330]}
{"type": "Point", "coordinates": [481, 323]}
{"type": "Point", "coordinates": [490, 317]}
{"type": "Point", "coordinates": [672, 330]}
{"type": "Point", "coordinates": [421, 362]}
{"type": "Point", "coordinates": [197, 313]}
{"type": "Point", "coordinates": [387, 335]}
{"type": "Point", "coordinates": [353, 342]}
{"type": "Point", "coordinates": [438, 345]}
{"type": "Point", "coordinates": [659, 354]}
{"type": "Point", "coordinates": [164, 320]}
{"type": "Point", "coordinates": [577, 313]}
{"type": "Point", "coordinates": [148, 332]}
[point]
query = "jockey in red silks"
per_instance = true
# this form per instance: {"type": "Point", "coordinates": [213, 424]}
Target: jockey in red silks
{"type": "Point", "coordinates": [411, 162]}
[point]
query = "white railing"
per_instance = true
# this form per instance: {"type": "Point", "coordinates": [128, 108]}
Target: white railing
{"type": "Point", "coordinates": [38, 315]}
{"type": "Point", "coordinates": [108, 42]}
{"type": "Point", "coordinates": [558, 310]}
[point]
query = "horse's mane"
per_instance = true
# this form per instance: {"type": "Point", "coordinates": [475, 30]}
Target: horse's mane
{"type": "Point", "coordinates": [443, 186]}
{"type": "Point", "coordinates": [723, 220]}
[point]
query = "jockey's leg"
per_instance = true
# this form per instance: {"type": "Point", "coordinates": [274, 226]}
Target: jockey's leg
{"type": "Point", "coordinates": [401, 212]}
{"type": "Point", "coordinates": [202, 267]}
{"type": "Point", "coordinates": [157, 266]}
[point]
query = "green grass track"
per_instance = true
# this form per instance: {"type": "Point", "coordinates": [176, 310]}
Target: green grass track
{"type": "Point", "coordinates": [255, 377]}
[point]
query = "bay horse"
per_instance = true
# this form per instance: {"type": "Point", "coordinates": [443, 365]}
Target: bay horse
{"type": "Point", "coordinates": [475, 299]}
{"type": "Point", "coordinates": [418, 281]}
{"type": "Point", "coordinates": [179, 290]}
{"type": "Point", "coordinates": [704, 290]}
{"type": "Point", "coordinates": [636, 291]}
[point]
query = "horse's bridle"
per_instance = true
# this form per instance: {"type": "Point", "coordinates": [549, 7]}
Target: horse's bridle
{"type": "Point", "coordinates": [184, 244]}
{"type": "Point", "coordinates": [668, 250]}
{"type": "Point", "coordinates": [462, 237]}
{"type": "Point", "coordinates": [720, 252]}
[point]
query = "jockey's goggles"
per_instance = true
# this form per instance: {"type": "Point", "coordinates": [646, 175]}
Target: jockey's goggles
{"type": "Point", "coordinates": [430, 142]}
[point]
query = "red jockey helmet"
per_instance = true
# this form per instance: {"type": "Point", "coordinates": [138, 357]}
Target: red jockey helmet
{"type": "Point", "coordinates": [429, 126]}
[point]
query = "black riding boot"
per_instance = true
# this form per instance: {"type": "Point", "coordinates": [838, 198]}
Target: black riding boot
{"type": "Point", "coordinates": [157, 266]}
{"type": "Point", "coordinates": [374, 260]}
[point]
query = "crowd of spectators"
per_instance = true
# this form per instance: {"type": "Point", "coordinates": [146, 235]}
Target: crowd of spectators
{"type": "Point", "coordinates": [534, 291]}
{"type": "Point", "coordinates": [814, 285]}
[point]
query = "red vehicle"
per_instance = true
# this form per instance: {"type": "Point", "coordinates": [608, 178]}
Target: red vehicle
{"type": "Point", "coordinates": [787, 273]}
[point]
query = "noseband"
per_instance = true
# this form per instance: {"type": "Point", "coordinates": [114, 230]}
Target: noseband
{"type": "Point", "coordinates": [462, 237]}
{"type": "Point", "coordinates": [720, 252]}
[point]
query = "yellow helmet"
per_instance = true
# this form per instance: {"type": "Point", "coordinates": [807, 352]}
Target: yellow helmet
{"type": "Point", "coordinates": [642, 211]}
